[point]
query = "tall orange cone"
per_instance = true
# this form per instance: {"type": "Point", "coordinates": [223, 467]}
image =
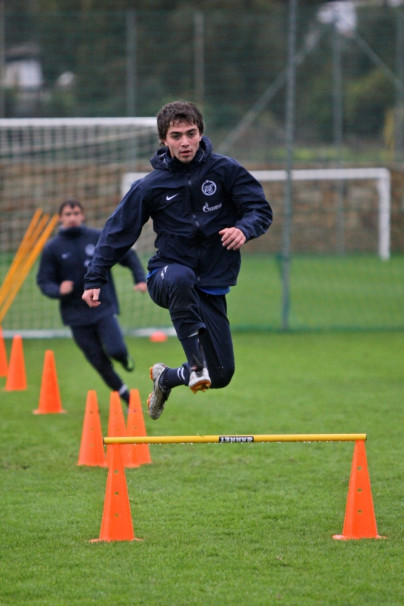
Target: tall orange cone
{"type": "Point", "coordinates": [116, 428]}
{"type": "Point", "coordinates": [49, 397]}
{"type": "Point", "coordinates": [116, 524]}
{"type": "Point", "coordinates": [360, 521]}
{"type": "Point", "coordinates": [3, 356]}
{"type": "Point", "coordinates": [92, 452]}
{"type": "Point", "coordinates": [16, 377]}
{"type": "Point", "coordinates": [136, 427]}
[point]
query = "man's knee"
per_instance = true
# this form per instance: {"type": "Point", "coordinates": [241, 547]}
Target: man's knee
{"type": "Point", "coordinates": [181, 277]}
{"type": "Point", "coordinates": [221, 377]}
{"type": "Point", "coordinates": [116, 352]}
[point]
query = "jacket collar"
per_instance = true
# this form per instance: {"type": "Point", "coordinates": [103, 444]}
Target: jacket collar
{"type": "Point", "coordinates": [163, 161]}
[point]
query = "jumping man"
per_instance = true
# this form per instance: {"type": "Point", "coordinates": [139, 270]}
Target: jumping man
{"type": "Point", "coordinates": [204, 207]}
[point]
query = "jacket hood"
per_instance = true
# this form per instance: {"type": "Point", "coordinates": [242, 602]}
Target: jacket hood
{"type": "Point", "coordinates": [163, 161]}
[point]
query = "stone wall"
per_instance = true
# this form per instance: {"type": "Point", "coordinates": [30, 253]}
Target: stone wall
{"type": "Point", "coordinates": [330, 217]}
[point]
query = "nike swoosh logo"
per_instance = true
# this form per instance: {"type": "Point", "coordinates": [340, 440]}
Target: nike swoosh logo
{"type": "Point", "coordinates": [171, 197]}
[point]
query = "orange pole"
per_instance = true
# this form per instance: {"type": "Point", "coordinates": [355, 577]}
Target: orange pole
{"type": "Point", "coordinates": [27, 265]}
{"type": "Point", "coordinates": [19, 255]}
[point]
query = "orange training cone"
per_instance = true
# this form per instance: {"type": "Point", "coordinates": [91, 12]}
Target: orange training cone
{"type": "Point", "coordinates": [116, 524]}
{"type": "Point", "coordinates": [16, 378]}
{"type": "Point", "coordinates": [136, 427]}
{"type": "Point", "coordinates": [49, 398]}
{"type": "Point", "coordinates": [92, 452]}
{"type": "Point", "coordinates": [3, 356]}
{"type": "Point", "coordinates": [158, 336]}
{"type": "Point", "coordinates": [360, 521]}
{"type": "Point", "coordinates": [116, 428]}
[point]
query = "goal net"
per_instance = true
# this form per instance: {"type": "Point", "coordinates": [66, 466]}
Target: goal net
{"type": "Point", "coordinates": [45, 161]}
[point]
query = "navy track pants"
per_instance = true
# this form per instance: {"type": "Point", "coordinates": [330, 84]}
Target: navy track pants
{"type": "Point", "coordinates": [174, 287]}
{"type": "Point", "coordinates": [99, 342]}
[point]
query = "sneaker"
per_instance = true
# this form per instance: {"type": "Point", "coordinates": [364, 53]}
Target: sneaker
{"type": "Point", "coordinates": [129, 363]}
{"type": "Point", "coordinates": [158, 396]}
{"type": "Point", "coordinates": [199, 379]}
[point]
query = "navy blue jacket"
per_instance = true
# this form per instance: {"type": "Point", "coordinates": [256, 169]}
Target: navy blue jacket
{"type": "Point", "coordinates": [66, 257]}
{"type": "Point", "coordinates": [189, 204]}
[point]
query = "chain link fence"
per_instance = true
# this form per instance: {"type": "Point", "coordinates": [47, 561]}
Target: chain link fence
{"type": "Point", "coordinates": [349, 74]}
{"type": "Point", "coordinates": [349, 111]}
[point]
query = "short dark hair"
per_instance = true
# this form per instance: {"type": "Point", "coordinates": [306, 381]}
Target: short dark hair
{"type": "Point", "coordinates": [178, 111]}
{"type": "Point", "coordinates": [72, 203]}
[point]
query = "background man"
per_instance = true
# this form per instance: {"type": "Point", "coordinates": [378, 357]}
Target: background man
{"type": "Point", "coordinates": [61, 272]}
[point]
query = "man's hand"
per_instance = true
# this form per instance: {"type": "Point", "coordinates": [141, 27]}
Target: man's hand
{"type": "Point", "coordinates": [91, 297]}
{"type": "Point", "coordinates": [66, 287]}
{"type": "Point", "coordinates": [232, 238]}
{"type": "Point", "coordinates": [140, 287]}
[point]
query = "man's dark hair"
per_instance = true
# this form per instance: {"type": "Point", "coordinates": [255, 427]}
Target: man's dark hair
{"type": "Point", "coordinates": [71, 203]}
{"type": "Point", "coordinates": [183, 111]}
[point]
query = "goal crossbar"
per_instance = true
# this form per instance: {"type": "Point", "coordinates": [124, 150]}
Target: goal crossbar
{"type": "Point", "coordinates": [52, 122]}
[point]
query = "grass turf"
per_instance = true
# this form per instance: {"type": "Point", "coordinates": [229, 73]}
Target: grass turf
{"type": "Point", "coordinates": [326, 292]}
{"type": "Point", "coordinates": [219, 523]}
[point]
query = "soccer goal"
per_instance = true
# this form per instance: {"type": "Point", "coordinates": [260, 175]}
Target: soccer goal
{"type": "Point", "coordinates": [375, 186]}
{"type": "Point", "coordinates": [337, 260]}
{"type": "Point", "coordinates": [45, 161]}
{"type": "Point", "coordinates": [379, 179]}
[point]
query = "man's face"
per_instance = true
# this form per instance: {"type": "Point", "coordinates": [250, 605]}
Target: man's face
{"type": "Point", "coordinates": [183, 140]}
{"type": "Point", "coordinates": [71, 217]}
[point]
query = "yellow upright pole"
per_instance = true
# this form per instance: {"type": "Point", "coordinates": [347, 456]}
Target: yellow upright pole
{"type": "Point", "coordinates": [19, 255]}
{"type": "Point", "coordinates": [36, 243]}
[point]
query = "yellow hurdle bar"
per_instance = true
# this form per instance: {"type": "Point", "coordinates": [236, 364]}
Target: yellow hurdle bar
{"type": "Point", "coordinates": [238, 439]}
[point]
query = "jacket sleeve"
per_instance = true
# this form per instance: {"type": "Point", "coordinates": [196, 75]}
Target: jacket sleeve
{"type": "Point", "coordinates": [132, 262]}
{"type": "Point", "coordinates": [47, 277]}
{"type": "Point", "coordinates": [120, 232]}
{"type": "Point", "coordinates": [248, 195]}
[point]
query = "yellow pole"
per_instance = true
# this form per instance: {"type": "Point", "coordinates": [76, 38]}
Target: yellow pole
{"type": "Point", "coordinates": [26, 264]}
{"type": "Point", "coordinates": [19, 255]}
{"type": "Point", "coordinates": [237, 439]}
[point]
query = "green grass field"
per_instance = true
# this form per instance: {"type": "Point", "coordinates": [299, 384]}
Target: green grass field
{"type": "Point", "coordinates": [326, 292]}
{"type": "Point", "coordinates": [221, 524]}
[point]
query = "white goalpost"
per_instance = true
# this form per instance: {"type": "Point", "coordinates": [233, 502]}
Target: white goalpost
{"type": "Point", "coordinates": [381, 177]}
